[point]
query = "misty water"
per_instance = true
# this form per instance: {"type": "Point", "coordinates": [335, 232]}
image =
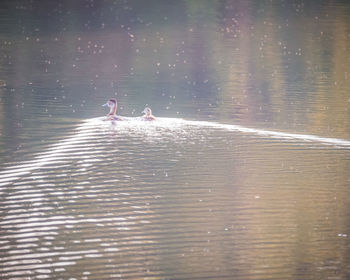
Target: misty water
{"type": "Point", "coordinates": [245, 174]}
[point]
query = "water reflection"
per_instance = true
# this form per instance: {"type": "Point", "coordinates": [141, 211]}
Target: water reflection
{"type": "Point", "coordinates": [251, 183]}
{"type": "Point", "coordinates": [117, 197]}
{"type": "Point", "coordinates": [90, 135]}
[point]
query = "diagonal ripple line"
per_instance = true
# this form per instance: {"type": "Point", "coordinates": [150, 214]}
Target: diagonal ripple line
{"type": "Point", "coordinates": [55, 153]}
{"type": "Point", "coordinates": [91, 128]}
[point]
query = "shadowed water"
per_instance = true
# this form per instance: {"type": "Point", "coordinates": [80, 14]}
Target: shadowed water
{"type": "Point", "coordinates": [244, 174]}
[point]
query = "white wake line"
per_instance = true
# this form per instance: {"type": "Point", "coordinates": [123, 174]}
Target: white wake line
{"type": "Point", "coordinates": [177, 124]}
{"type": "Point", "coordinates": [57, 153]}
{"type": "Point", "coordinates": [279, 135]}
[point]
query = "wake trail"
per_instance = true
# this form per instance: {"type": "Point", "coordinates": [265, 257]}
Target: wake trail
{"type": "Point", "coordinates": [277, 134]}
{"type": "Point", "coordinates": [94, 128]}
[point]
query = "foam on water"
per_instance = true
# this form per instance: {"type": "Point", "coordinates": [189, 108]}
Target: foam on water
{"type": "Point", "coordinates": [94, 128]}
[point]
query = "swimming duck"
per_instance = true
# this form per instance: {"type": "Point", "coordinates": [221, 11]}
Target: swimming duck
{"type": "Point", "coordinates": [112, 115]}
{"type": "Point", "coordinates": [148, 114]}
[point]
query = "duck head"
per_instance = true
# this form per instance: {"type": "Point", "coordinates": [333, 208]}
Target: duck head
{"type": "Point", "coordinates": [112, 104]}
{"type": "Point", "coordinates": [147, 111]}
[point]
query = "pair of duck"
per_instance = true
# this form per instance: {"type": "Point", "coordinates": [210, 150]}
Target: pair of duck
{"type": "Point", "coordinates": [112, 115]}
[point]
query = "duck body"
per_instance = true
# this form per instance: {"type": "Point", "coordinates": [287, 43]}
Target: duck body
{"type": "Point", "coordinates": [114, 118]}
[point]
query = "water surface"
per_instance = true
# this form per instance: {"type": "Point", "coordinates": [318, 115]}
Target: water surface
{"type": "Point", "coordinates": [245, 174]}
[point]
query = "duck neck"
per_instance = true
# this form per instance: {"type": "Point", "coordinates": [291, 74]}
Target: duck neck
{"type": "Point", "coordinates": [113, 110]}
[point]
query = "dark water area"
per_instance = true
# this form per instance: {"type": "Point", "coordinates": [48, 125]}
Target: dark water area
{"type": "Point", "coordinates": [245, 174]}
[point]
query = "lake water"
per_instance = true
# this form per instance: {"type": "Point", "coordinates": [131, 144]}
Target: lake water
{"type": "Point", "coordinates": [244, 175]}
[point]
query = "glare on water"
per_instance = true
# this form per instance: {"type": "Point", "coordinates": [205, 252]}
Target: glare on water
{"type": "Point", "coordinates": [243, 175]}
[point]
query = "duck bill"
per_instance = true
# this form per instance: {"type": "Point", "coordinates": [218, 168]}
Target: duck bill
{"type": "Point", "coordinates": [104, 105]}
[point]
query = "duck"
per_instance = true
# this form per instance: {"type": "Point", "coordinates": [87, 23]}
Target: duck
{"type": "Point", "coordinates": [112, 115]}
{"type": "Point", "coordinates": [147, 114]}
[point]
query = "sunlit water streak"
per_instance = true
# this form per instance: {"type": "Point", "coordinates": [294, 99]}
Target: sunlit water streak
{"type": "Point", "coordinates": [41, 203]}
{"type": "Point", "coordinates": [86, 134]}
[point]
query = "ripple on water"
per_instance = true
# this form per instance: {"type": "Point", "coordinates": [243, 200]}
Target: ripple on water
{"type": "Point", "coordinates": [137, 199]}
